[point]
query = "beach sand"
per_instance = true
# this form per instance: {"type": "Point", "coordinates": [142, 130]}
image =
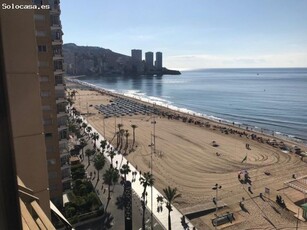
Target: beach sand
{"type": "Point", "coordinates": [186, 159]}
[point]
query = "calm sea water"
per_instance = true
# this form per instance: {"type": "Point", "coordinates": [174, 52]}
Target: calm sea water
{"type": "Point", "coordinates": [274, 100]}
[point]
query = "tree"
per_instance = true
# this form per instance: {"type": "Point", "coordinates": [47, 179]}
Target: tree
{"type": "Point", "coordinates": [88, 130]}
{"type": "Point", "coordinates": [111, 154]}
{"type": "Point", "coordinates": [119, 126]}
{"type": "Point", "coordinates": [103, 144]}
{"type": "Point", "coordinates": [77, 172]}
{"type": "Point", "coordinates": [146, 180]}
{"type": "Point", "coordinates": [99, 162]}
{"type": "Point", "coordinates": [89, 153]}
{"type": "Point", "coordinates": [121, 135]}
{"type": "Point", "coordinates": [82, 143]}
{"type": "Point", "coordinates": [79, 121]}
{"type": "Point", "coordinates": [170, 196]}
{"type": "Point", "coordinates": [127, 136]}
{"type": "Point", "coordinates": [84, 125]}
{"type": "Point", "coordinates": [125, 170]}
{"type": "Point", "coordinates": [110, 177]}
{"type": "Point", "coordinates": [95, 137]}
{"type": "Point", "coordinates": [133, 127]}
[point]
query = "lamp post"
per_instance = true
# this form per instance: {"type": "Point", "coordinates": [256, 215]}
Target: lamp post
{"type": "Point", "coordinates": [151, 213]}
{"type": "Point", "coordinates": [215, 199]}
{"type": "Point", "coordinates": [216, 188]}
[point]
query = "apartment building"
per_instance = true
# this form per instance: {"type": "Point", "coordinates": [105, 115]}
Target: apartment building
{"type": "Point", "coordinates": [48, 30]}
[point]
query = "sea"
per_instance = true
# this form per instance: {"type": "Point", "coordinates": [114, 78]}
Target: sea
{"type": "Point", "coordinates": [270, 100]}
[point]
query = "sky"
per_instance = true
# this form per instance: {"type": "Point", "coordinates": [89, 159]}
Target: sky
{"type": "Point", "coordinates": [194, 34]}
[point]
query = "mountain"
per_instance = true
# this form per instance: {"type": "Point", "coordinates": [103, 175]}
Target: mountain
{"type": "Point", "coordinates": [88, 60]}
{"type": "Point", "coordinates": [91, 60]}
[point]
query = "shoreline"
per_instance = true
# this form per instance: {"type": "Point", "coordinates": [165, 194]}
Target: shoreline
{"type": "Point", "coordinates": [191, 114]}
{"type": "Point", "coordinates": [186, 158]}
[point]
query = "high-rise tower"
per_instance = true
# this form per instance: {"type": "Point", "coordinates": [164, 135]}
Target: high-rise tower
{"type": "Point", "coordinates": [158, 63]}
{"type": "Point", "coordinates": [52, 90]}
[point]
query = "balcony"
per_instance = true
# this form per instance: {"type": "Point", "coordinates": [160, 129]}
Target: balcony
{"type": "Point", "coordinates": [57, 42]}
{"type": "Point", "coordinates": [63, 141]}
{"type": "Point", "coordinates": [65, 167]}
{"type": "Point", "coordinates": [55, 9]}
{"type": "Point", "coordinates": [66, 179]}
{"type": "Point", "coordinates": [57, 57]}
{"type": "Point", "coordinates": [64, 153]}
{"type": "Point", "coordinates": [55, 22]}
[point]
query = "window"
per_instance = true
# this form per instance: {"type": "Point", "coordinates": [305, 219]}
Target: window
{"type": "Point", "coordinates": [48, 135]}
{"type": "Point", "coordinates": [58, 79]}
{"type": "Point", "coordinates": [46, 107]}
{"type": "Point", "coordinates": [63, 134]}
{"type": "Point", "coordinates": [58, 65]}
{"type": "Point", "coordinates": [43, 64]}
{"type": "Point", "coordinates": [59, 94]}
{"type": "Point", "coordinates": [47, 121]}
{"type": "Point", "coordinates": [40, 33]}
{"type": "Point", "coordinates": [62, 121]}
{"type": "Point", "coordinates": [52, 175]}
{"type": "Point", "coordinates": [61, 107]}
{"type": "Point", "coordinates": [42, 48]}
{"type": "Point", "coordinates": [45, 93]}
{"type": "Point", "coordinates": [44, 78]}
{"type": "Point", "coordinates": [39, 17]}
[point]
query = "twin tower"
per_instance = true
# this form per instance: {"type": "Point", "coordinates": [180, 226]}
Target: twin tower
{"type": "Point", "coordinates": [148, 65]}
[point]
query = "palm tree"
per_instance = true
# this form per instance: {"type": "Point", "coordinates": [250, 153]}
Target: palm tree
{"type": "Point", "coordinates": [103, 144]}
{"type": "Point", "coordinates": [95, 137]}
{"type": "Point", "coordinates": [82, 143]}
{"type": "Point", "coordinates": [110, 177]}
{"type": "Point", "coordinates": [127, 135]}
{"type": "Point", "coordinates": [119, 126]}
{"type": "Point", "coordinates": [84, 125]}
{"type": "Point", "coordinates": [170, 196]}
{"type": "Point", "coordinates": [121, 134]}
{"type": "Point", "coordinates": [125, 170]}
{"type": "Point", "coordinates": [146, 180]}
{"type": "Point", "coordinates": [79, 121]}
{"type": "Point", "coordinates": [111, 154]}
{"type": "Point", "coordinates": [99, 162]}
{"type": "Point", "coordinates": [88, 130]}
{"type": "Point", "coordinates": [133, 127]}
{"type": "Point", "coordinates": [89, 153]}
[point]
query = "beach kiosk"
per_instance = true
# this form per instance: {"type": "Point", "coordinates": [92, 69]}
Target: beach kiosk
{"type": "Point", "coordinates": [304, 207]}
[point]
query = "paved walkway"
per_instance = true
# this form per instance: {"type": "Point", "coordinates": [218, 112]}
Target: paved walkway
{"type": "Point", "coordinates": [116, 191]}
{"type": "Point", "coordinates": [138, 189]}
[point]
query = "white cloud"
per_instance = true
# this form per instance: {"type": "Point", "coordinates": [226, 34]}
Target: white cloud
{"type": "Point", "coordinates": [215, 61]}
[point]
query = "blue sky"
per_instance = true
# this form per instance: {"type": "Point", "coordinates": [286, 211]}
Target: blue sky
{"type": "Point", "coordinates": [194, 33]}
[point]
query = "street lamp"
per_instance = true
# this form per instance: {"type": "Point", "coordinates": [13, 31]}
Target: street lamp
{"type": "Point", "coordinates": [151, 214]}
{"type": "Point", "coordinates": [215, 199]}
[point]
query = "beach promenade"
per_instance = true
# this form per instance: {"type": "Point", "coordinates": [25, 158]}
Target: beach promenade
{"type": "Point", "coordinates": [162, 217]}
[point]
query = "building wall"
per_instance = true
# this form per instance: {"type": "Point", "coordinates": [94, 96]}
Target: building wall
{"type": "Point", "coordinates": [20, 54]}
{"type": "Point", "coordinates": [149, 60]}
{"type": "Point", "coordinates": [49, 41]}
{"type": "Point", "coordinates": [136, 56]}
{"type": "Point", "coordinates": [158, 63]}
{"type": "Point", "coordinates": [47, 93]}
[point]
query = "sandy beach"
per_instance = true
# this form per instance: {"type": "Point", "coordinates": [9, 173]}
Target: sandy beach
{"type": "Point", "coordinates": [186, 158]}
